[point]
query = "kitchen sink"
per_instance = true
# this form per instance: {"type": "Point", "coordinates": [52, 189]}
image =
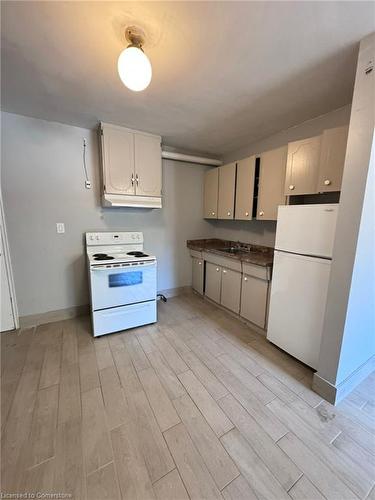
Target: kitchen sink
{"type": "Point", "coordinates": [233, 250]}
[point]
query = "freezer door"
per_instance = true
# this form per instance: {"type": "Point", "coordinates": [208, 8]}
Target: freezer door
{"type": "Point", "coordinates": [306, 229]}
{"type": "Point", "coordinates": [297, 305]}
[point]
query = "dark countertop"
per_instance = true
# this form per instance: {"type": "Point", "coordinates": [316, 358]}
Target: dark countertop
{"type": "Point", "coordinates": [245, 252]}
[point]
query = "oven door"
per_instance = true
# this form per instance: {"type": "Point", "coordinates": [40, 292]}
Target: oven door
{"type": "Point", "coordinates": [119, 286]}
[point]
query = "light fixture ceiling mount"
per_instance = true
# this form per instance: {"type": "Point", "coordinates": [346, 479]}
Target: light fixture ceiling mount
{"type": "Point", "coordinates": [135, 36]}
{"type": "Point", "coordinates": [133, 65]}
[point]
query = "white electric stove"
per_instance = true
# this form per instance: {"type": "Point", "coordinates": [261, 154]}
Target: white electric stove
{"type": "Point", "coordinates": [122, 281]}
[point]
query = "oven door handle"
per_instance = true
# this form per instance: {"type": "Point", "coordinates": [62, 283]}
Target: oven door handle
{"type": "Point", "coordinates": [119, 268]}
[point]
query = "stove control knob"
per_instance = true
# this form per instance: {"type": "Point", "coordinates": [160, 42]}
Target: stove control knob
{"type": "Point", "coordinates": [133, 236]}
{"type": "Point", "coordinates": [97, 237]}
{"type": "Point", "coordinates": [91, 237]}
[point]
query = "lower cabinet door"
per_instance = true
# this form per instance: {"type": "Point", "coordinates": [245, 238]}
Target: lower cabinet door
{"type": "Point", "coordinates": [197, 279]}
{"type": "Point", "coordinates": [254, 300]}
{"type": "Point", "coordinates": [213, 282]}
{"type": "Point", "coordinates": [231, 289]}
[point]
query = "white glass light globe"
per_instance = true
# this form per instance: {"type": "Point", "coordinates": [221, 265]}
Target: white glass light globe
{"type": "Point", "coordinates": [134, 69]}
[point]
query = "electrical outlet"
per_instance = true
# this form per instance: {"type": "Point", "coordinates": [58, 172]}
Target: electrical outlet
{"type": "Point", "coordinates": [60, 227]}
{"type": "Point", "coordinates": [88, 184]}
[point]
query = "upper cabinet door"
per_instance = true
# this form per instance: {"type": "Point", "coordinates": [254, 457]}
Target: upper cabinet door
{"type": "Point", "coordinates": [271, 183]}
{"type": "Point", "coordinates": [245, 188]}
{"type": "Point", "coordinates": [227, 183]}
{"type": "Point", "coordinates": [302, 166]}
{"type": "Point", "coordinates": [148, 169]}
{"type": "Point", "coordinates": [332, 159]}
{"type": "Point", "coordinates": [211, 187]}
{"type": "Point", "coordinates": [118, 160]}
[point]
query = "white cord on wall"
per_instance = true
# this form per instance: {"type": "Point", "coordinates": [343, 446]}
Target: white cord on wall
{"type": "Point", "coordinates": [87, 181]}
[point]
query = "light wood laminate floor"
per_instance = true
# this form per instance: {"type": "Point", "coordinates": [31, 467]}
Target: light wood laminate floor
{"type": "Point", "coordinates": [196, 406]}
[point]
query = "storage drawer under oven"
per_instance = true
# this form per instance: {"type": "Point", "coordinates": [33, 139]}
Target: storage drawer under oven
{"type": "Point", "coordinates": [118, 286]}
{"type": "Point", "coordinates": [124, 317]}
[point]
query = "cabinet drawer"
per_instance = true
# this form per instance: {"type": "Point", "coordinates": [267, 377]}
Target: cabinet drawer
{"type": "Point", "coordinates": [263, 273]}
{"type": "Point", "coordinates": [196, 253]}
{"type": "Point", "coordinates": [233, 264]}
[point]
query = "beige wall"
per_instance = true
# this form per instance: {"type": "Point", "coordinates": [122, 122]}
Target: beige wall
{"type": "Point", "coordinates": [348, 339]}
{"type": "Point", "coordinates": [42, 182]}
{"type": "Point", "coordinates": [260, 232]}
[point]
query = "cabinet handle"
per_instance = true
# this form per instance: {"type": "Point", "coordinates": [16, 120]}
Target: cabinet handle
{"type": "Point", "coordinates": [247, 214]}
{"type": "Point", "coordinates": [224, 271]}
{"type": "Point", "coordinates": [291, 187]}
{"type": "Point", "coordinates": [261, 212]}
{"type": "Point", "coordinates": [327, 182]}
{"type": "Point", "coordinates": [217, 269]}
{"type": "Point", "coordinates": [132, 179]}
{"type": "Point", "coordinates": [245, 279]}
{"type": "Point", "coordinates": [228, 213]}
{"type": "Point", "coordinates": [137, 179]}
{"type": "Point", "coordinates": [212, 213]}
{"type": "Point", "coordinates": [199, 263]}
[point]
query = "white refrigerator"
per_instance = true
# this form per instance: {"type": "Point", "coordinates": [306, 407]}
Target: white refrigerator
{"type": "Point", "coordinates": [302, 263]}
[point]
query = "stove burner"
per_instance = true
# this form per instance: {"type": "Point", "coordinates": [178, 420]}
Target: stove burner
{"type": "Point", "coordinates": [103, 256]}
{"type": "Point", "coordinates": [137, 254]}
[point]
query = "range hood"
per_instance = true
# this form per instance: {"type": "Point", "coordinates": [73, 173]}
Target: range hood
{"type": "Point", "coordinates": [123, 200]}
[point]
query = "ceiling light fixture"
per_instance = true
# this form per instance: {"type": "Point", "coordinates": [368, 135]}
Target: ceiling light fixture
{"type": "Point", "coordinates": [133, 65]}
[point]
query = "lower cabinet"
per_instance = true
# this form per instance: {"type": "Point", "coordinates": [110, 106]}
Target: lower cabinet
{"type": "Point", "coordinates": [198, 274]}
{"type": "Point", "coordinates": [243, 290]}
{"type": "Point", "coordinates": [254, 293]}
{"type": "Point", "coordinates": [213, 282]}
{"type": "Point", "coordinates": [231, 290]}
{"type": "Point", "coordinates": [223, 286]}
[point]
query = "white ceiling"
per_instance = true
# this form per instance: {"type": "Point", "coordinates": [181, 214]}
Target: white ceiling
{"type": "Point", "coordinates": [224, 73]}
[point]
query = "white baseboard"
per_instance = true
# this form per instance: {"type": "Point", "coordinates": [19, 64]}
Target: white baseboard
{"type": "Point", "coordinates": [51, 316]}
{"type": "Point", "coordinates": [335, 393]}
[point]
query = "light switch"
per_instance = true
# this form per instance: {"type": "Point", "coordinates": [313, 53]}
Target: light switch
{"type": "Point", "coordinates": [60, 227]}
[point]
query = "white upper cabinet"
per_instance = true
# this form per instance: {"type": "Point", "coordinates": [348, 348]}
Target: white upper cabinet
{"type": "Point", "coordinates": [211, 191]}
{"type": "Point", "coordinates": [302, 166]}
{"type": "Point", "coordinates": [271, 183]}
{"type": "Point", "coordinates": [147, 165]}
{"type": "Point", "coordinates": [118, 160]}
{"type": "Point", "coordinates": [245, 188]}
{"type": "Point", "coordinates": [332, 159]}
{"type": "Point", "coordinates": [227, 186]}
{"type": "Point", "coordinates": [132, 168]}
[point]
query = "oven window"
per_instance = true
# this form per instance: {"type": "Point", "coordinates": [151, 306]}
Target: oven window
{"type": "Point", "coordinates": [125, 279]}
